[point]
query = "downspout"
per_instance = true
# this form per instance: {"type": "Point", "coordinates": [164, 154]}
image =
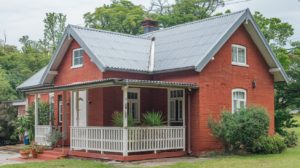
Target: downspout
{"type": "Point", "coordinates": [189, 122]}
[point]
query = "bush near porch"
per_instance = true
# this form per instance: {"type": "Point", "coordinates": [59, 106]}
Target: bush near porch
{"type": "Point", "coordinates": [247, 130]}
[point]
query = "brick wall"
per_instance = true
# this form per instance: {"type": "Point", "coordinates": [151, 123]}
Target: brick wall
{"type": "Point", "coordinates": [67, 75]}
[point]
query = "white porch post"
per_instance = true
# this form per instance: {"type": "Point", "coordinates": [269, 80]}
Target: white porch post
{"type": "Point", "coordinates": [183, 120]}
{"type": "Point", "coordinates": [64, 129]}
{"type": "Point", "coordinates": [35, 114]}
{"type": "Point", "coordinates": [168, 103]}
{"type": "Point", "coordinates": [125, 124]}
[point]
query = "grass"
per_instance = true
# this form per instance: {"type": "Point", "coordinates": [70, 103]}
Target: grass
{"type": "Point", "coordinates": [62, 163]}
{"type": "Point", "coordinates": [288, 159]}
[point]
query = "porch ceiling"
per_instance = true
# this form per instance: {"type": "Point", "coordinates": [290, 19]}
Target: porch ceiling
{"type": "Point", "coordinates": [109, 82]}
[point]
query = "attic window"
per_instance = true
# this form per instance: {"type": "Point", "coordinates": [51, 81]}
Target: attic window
{"type": "Point", "coordinates": [239, 55]}
{"type": "Point", "coordinates": [77, 60]}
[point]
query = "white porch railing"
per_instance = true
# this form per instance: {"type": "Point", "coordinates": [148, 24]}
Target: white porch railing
{"type": "Point", "coordinates": [41, 133]}
{"type": "Point", "coordinates": [104, 139]}
{"type": "Point", "coordinates": [140, 139]}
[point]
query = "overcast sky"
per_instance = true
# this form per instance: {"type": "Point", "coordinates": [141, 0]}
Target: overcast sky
{"type": "Point", "coordinates": [25, 17]}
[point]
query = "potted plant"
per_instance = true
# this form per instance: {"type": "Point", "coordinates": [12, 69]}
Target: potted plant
{"type": "Point", "coordinates": [22, 125]}
{"type": "Point", "coordinates": [25, 151]}
{"type": "Point", "coordinates": [34, 149]}
{"type": "Point", "coordinates": [54, 138]}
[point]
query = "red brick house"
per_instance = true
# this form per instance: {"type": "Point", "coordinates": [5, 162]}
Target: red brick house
{"type": "Point", "coordinates": [188, 72]}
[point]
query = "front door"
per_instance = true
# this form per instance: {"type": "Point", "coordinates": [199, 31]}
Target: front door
{"type": "Point", "coordinates": [80, 108]}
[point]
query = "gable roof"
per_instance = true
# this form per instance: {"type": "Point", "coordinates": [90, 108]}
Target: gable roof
{"type": "Point", "coordinates": [34, 80]}
{"type": "Point", "coordinates": [187, 46]}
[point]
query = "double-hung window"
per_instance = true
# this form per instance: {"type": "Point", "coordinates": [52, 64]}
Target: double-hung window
{"type": "Point", "coordinates": [176, 105]}
{"type": "Point", "coordinates": [133, 105]}
{"type": "Point", "coordinates": [238, 99]}
{"type": "Point", "coordinates": [77, 60]}
{"type": "Point", "coordinates": [239, 55]}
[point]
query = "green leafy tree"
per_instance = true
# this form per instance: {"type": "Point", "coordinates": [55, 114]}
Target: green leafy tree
{"type": "Point", "coordinates": [53, 30]}
{"type": "Point", "coordinates": [183, 11]}
{"type": "Point", "coordinates": [6, 91]}
{"type": "Point", "coordinates": [120, 16]}
{"type": "Point", "coordinates": [275, 31]}
{"type": "Point", "coordinates": [8, 116]}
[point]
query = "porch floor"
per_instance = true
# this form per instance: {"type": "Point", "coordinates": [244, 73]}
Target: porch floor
{"type": "Point", "coordinates": [119, 157]}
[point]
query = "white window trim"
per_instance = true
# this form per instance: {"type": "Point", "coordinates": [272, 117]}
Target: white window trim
{"type": "Point", "coordinates": [138, 91]}
{"type": "Point", "coordinates": [238, 90]}
{"type": "Point", "coordinates": [79, 65]}
{"type": "Point", "coordinates": [169, 108]}
{"type": "Point", "coordinates": [238, 63]}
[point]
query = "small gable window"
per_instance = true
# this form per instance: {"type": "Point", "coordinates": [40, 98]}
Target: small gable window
{"type": "Point", "coordinates": [238, 99]}
{"type": "Point", "coordinates": [77, 60]}
{"type": "Point", "coordinates": [239, 55]}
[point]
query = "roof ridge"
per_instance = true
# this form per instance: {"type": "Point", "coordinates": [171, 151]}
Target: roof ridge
{"type": "Point", "coordinates": [196, 21]}
{"type": "Point", "coordinates": [108, 32]}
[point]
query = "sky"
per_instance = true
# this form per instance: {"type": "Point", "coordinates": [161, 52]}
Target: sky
{"type": "Point", "coordinates": [25, 17]}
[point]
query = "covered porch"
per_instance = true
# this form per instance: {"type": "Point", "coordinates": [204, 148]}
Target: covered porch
{"type": "Point", "coordinates": [85, 131]}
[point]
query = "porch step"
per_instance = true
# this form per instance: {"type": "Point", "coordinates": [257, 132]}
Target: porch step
{"type": "Point", "coordinates": [51, 155]}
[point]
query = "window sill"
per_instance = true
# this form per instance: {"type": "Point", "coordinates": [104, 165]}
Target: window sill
{"type": "Point", "coordinates": [76, 66]}
{"type": "Point", "coordinates": [241, 65]}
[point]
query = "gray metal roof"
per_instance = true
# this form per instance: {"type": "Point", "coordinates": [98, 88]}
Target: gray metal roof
{"type": "Point", "coordinates": [34, 80]}
{"type": "Point", "coordinates": [115, 50]}
{"type": "Point", "coordinates": [185, 46]}
{"type": "Point", "coordinates": [108, 82]}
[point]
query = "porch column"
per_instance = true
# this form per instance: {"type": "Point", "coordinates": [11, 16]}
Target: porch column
{"type": "Point", "coordinates": [125, 124]}
{"type": "Point", "coordinates": [64, 129]}
{"type": "Point", "coordinates": [183, 120]}
{"type": "Point", "coordinates": [36, 110]}
{"type": "Point", "coordinates": [35, 114]}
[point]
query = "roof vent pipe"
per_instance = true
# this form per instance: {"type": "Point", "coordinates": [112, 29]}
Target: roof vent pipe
{"type": "Point", "coordinates": [150, 25]}
{"type": "Point", "coordinates": [151, 59]}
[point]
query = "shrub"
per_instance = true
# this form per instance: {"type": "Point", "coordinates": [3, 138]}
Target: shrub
{"type": "Point", "coordinates": [117, 119]}
{"type": "Point", "coordinates": [269, 145]}
{"type": "Point", "coordinates": [239, 130]}
{"type": "Point", "coordinates": [290, 139]}
{"type": "Point", "coordinates": [153, 118]}
{"type": "Point", "coordinates": [284, 119]}
{"type": "Point", "coordinates": [54, 137]}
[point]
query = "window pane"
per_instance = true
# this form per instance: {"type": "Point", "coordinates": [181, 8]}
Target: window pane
{"type": "Point", "coordinates": [242, 104]}
{"type": "Point", "coordinates": [180, 110]}
{"type": "Point", "coordinates": [234, 105]}
{"type": "Point", "coordinates": [172, 110]}
{"type": "Point", "coordinates": [241, 55]}
{"type": "Point", "coordinates": [78, 57]}
{"type": "Point", "coordinates": [234, 54]}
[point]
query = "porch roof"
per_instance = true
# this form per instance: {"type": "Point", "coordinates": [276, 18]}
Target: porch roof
{"type": "Point", "coordinates": [109, 82]}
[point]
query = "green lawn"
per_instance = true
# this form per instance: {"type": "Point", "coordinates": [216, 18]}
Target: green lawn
{"type": "Point", "coordinates": [288, 159]}
{"type": "Point", "coordinates": [62, 163]}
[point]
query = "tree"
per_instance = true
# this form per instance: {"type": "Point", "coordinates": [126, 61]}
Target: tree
{"type": "Point", "coordinates": [275, 31]}
{"type": "Point", "coordinates": [183, 11]}
{"type": "Point", "coordinates": [6, 91]}
{"type": "Point", "coordinates": [53, 30]}
{"type": "Point", "coordinates": [8, 115]}
{"type": "Point", "coordinates": [120, 16]}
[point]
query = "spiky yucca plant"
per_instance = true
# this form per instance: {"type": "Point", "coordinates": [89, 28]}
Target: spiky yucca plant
{"type": "Point", "coordinates": [153, 118]}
